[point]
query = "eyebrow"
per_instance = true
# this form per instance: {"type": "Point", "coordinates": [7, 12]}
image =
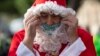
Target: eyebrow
{"type": "Point", "coordinates": [45, 13]}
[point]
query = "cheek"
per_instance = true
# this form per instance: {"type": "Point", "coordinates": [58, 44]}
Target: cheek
{"type": "Point", "coordinates": [43, 20]}
{"type": "Point", "coordinates": [57, 20]}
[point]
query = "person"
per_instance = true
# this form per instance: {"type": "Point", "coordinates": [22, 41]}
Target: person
{"type": "Point", "coordinates": [51, 29]}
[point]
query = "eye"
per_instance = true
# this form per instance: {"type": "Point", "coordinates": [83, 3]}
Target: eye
{"type": "Point", "coordinates": [54, 15]}
{"type": "Point", "coordinates": [43, 15]}
{"type": "Point", "coordinates": [56, 19]}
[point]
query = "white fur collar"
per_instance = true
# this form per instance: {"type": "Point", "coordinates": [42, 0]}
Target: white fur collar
{"type": "Point", "coordinates": [75, 49]}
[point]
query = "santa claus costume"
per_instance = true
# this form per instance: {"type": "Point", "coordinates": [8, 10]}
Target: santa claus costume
{"type": "Point", "coordinates": [43, 45]}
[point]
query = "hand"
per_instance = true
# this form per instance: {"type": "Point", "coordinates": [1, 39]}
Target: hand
{"type": "Point", "coordinates": [30, 25]}
{"type": "Point", "coordinates": [71, 23]}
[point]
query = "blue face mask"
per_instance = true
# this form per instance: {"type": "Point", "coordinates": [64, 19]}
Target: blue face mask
{"type": "Point", "coordinates": [49, 28]}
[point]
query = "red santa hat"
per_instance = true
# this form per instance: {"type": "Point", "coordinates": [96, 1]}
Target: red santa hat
{"type": "Point", "coordinates": [60, 2]}
{"type": "Point", "coordinates": [57, 7]}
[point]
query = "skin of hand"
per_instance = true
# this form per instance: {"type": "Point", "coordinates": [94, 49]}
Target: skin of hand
{"type": "Point", "coordinates": [30, 26]}
{"type": "Point", "coordinates": [71, 23]}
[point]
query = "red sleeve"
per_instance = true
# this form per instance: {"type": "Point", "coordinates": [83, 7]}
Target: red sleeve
{"type": "Point", "coordinates": [88, 41]}
{"type": "Point", "coordinates": [90, 51]}
{"type": "Point", "coordinates": [17, 38]}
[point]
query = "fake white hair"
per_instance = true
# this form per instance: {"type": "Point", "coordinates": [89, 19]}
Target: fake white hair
{"type": "Point", "coordinates": [49, 6]}
{"type": "Point", "coordinates": [51, 43]}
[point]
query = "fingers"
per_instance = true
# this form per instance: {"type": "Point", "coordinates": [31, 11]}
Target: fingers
{"type": "Point", "coordinates": [71, 23]}
{"type": "Point", "coordinates": [32, 20]}
{"type": "Point", "coordinates": [30, 26]}
{"type": "Point", "coordinates": [27, 15]}
{"type": "Point", "coordinates": [28, 18]}
{"type": "Point", "coordinates": [69, 17]}
{"type": "Point", "coordinates": [70, 20]}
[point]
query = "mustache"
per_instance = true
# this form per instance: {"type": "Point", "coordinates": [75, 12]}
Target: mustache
{"type": "Point", "coordinates": [49, 28]}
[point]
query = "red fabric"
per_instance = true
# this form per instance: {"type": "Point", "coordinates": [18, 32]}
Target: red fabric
{"type": "Point", "coordinates": [43, 53]}
{"type": "Point", "coordinates": [88, 41]}
{"type": "Point", "coordinates": [60, 2]}
{"type": "Point", "coordinates": [85, 36]}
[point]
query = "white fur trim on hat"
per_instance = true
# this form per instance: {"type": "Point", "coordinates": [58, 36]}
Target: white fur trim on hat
{"type": "Point", "coordinates": [50, 6]}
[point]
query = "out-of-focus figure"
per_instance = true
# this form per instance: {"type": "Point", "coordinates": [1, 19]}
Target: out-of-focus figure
{"type": "Point", "coordinates": [89, 16]}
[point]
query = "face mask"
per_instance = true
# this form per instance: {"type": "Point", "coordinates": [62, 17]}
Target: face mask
{"type": "Point", "coordinates": [49, 28]}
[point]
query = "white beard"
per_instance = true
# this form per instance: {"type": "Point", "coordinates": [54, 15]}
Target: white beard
{"type": "Point", "coordinates": [51, 43]}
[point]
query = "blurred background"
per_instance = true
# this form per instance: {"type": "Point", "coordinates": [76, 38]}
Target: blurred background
{"type": "Point", "coordinates": [12, 15]}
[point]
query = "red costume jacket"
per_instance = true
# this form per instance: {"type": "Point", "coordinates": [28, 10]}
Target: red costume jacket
{"type": "Point", "coordinates": [85, 36]}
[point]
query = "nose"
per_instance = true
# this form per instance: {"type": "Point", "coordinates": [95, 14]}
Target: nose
{"type": "Point", "coordinates": [50, 20]}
